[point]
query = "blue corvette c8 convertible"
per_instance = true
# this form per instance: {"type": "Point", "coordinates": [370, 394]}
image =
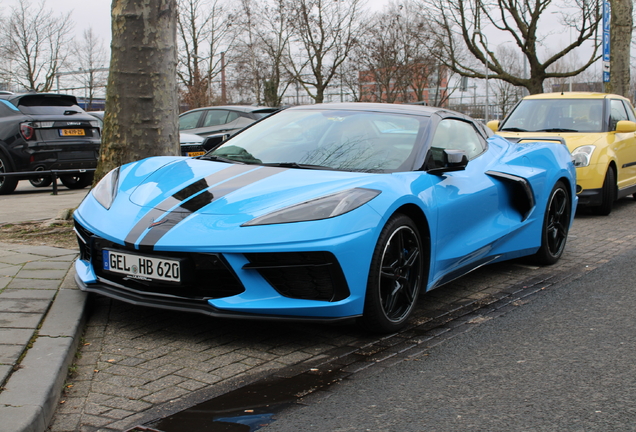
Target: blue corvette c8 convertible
{"type": "Point", "coordinates": [324, 212]}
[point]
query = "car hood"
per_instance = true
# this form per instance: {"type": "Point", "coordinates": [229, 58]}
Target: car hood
{"type": "Point", "coordinates": [572, 140]}
{"type": "Point", "coordinates": [207, 187]}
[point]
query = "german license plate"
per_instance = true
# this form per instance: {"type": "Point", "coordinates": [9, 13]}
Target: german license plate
{"type": "Point", "coordinates": [72, 132]}
{"type": "Point", "coordinates": [142, 267]}
{"type": "Point", "coordinates": [197, 153]}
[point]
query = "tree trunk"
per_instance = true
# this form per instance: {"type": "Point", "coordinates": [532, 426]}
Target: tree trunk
{"type": "Point", "coordinates": [620, 40]}
{"type": "Point", "coordinates": [141, 98]}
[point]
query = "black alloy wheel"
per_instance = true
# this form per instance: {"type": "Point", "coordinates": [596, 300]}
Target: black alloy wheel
{"type": "Point", "coordinates": [395, 276]}
{"type": "Point", "coordinates": [42, 181]}
{"type": "Point", "coordinates": [556, 224]}
{"type": "Point", "coordinates": [7, 184]}
{"type": "Point", "coordinates": [78, 181]}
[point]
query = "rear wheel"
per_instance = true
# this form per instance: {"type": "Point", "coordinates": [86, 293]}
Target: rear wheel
{"type": "Point", "coordinates": [78, 181]}
{"type": "Point", "coordinates": [41, 182]}
{"type": "Point", "coordinates": [609, 194]}
{"type": "Point", "coordinates": [556, 224]}
{"type": "Point", "coordinates": [395, 276]}
{"type": "Point", "coordinates": [7, 184]}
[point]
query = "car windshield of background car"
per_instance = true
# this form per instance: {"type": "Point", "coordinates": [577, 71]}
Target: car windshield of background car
{"type": "Point", "coordinates": [332, 139]}
{"type": "Point", "coordinates": [556, 115]}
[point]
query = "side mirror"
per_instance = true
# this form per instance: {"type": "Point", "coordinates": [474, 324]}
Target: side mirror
{"type": "Point", "coordinates": [452, 160]}
{"type": "Point", "coordinates": [625, 126]}
{"type": "Point", "coordinates": [213, 141]}
{"type": "Point", "coordinates": [493, 125]}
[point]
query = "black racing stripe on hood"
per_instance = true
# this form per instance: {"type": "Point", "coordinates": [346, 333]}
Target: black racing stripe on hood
{"type": "Point", "coordinates": [185, 193]}
{"type": "Point", "coordinates": [197, 203]}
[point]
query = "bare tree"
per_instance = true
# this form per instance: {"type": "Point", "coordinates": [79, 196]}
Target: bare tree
{"type": "Point", "coordinates": [141, 99]}
{"type": "Point", "coordinates": [463, 23]}
{"type": "Point", "coordinates": [621, 30]}
{"type": "Point", "coordinates": [33, 45]}
{"type": "Point", "coordinates": [89, 55]}
{"type": "Point", "coordinates": [506, 94]}
{"type": "Point", "coordinates": [325, 32]}
{"type": "Point", "coordinates": [204, 31]}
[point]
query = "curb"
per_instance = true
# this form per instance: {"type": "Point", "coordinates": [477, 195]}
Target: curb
{"type": "Point", "coordinates": [32, 393]}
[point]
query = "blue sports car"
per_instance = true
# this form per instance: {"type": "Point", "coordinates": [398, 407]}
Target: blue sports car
{"type": "Point", "coordinates": [324, 213]}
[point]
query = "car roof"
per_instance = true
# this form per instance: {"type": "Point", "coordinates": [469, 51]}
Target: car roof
{"type": "Point", "coordinates": [385, 108]}
{"type": "Point", "coordinates": [574, 95]}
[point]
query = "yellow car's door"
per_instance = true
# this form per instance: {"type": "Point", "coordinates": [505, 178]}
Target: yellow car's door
{"type": "Point", "coordinates": [623, 141]}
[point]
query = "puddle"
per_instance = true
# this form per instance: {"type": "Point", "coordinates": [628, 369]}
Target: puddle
{"type": "Point", "coordinates": [245, 409]}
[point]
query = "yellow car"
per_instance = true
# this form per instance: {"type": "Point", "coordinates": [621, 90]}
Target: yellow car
{"type": "Point", "coordinates": [598, 128]}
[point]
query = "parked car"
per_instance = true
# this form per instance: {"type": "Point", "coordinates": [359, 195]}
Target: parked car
{"type": "Point", "coordinates": [190, 143]}
{"type": "Point", "coordinates": [326, 212]}
{"type": "Point", "coordinates": [40, 131]}
{"type": "Point", "coordinates": [221, 119]}
{"type": "Point", "coordinates": [598, 128]}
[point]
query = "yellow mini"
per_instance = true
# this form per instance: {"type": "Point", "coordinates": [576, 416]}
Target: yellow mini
{"type": "Point", "coordinates": [600, 132]}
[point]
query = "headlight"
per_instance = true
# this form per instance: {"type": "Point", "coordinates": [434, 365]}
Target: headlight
{"type": "Point", "coordinates": [582, 155]}
{"type": "Point", "coordinates": [106, 190]}
{"type": "Point", "coordinates": [320, 208]}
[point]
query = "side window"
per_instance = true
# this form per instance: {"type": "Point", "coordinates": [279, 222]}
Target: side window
{"type": "Point", "coordinates": [215, 118]}
{"type": "Point", "coordinates": [457, 135]}
{"type": "Point", "coordinates": [233, 115]}
{"type": "Point", "coordinates": [617, 113]}
{"type": "Point", "coordinates": [630, 111]}
{"type": "Point", "coordinates": [190, 121]}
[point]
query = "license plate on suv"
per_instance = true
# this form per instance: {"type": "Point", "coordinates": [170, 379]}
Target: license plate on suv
{"type": "Point", "coordinates": [72, 132]}
{"type": "Point", "coordinates": [142, 267]}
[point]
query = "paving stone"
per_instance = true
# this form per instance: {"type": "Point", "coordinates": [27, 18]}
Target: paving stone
{"type": "Point", "coordinates": [48, 265]}
{"type": "Point", "coordinates": [66, 423]}
{"type": "Point", "coordinates": [24, 305]}
{"type": "Point", "coordinates": [10, 353]}
{"type": "Point", "coordinates": [15, 336]}
{"type": "Point", "coordinates": [41, 274]}
{"type": "Point", "coordinates": [41, 294]}
{"type": "Point", "coordinates": [47, 284]}
{"type": "Point", "coordinates": [17, 259]}
{"type": "Point", "coordinates": [18, 320]}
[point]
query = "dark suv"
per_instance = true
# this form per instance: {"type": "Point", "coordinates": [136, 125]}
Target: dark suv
{"type": "Point", "coordinates": [42, 131]}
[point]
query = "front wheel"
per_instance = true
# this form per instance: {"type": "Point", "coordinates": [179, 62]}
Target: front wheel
{"type": "Point", "coordinates": [556, 224]}
{"type": "Point", "coordinates": [78, 181]}
{"type": "Point", "coordinates": [395, 276]}
{"type": "Point", "coordinates": [608, 194]}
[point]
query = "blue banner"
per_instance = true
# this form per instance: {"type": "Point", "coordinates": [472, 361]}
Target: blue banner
{"type": "Point", "coordinates": [606, 40]}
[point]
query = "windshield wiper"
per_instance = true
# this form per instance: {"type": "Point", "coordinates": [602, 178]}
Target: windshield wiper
{"type": "Point", "coordinates": [295, 165]}
{"type": "Point", "coordinates": [513, 129]}
{"type": "Point", "coordinates": [557, 130]}
{"type": "Point", "coordinates": [216, 158]}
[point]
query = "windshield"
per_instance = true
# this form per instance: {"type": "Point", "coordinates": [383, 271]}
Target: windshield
{"type": "Point", "coordinates": [332, 139]}
{"type": "Point", "coordinates": [556, 115]}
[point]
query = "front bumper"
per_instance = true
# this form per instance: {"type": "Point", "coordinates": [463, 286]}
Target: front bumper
{"type": "Point", "coordinates": [301, 284]}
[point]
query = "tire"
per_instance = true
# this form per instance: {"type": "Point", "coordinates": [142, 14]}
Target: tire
{"type": "Point", "coordinates": [41, 182]}
{"type": "Point", "coordinates": [395, 277]}
{"type": "Point", "coordinates": [609, 194]}
{"type": "Point", "coordinates": [78, 181]}
{"type": "Point", "coordinates": [7, 184]}
{"type": "Point", "coordinates": [556, 224]}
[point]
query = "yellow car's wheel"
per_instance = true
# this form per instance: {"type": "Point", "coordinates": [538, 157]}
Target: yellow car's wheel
{"type": "Point", "coordinates": [609, 194]}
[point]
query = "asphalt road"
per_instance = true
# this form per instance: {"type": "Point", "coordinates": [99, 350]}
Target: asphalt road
{"type": "Point", "coordinates": [564, 361]}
